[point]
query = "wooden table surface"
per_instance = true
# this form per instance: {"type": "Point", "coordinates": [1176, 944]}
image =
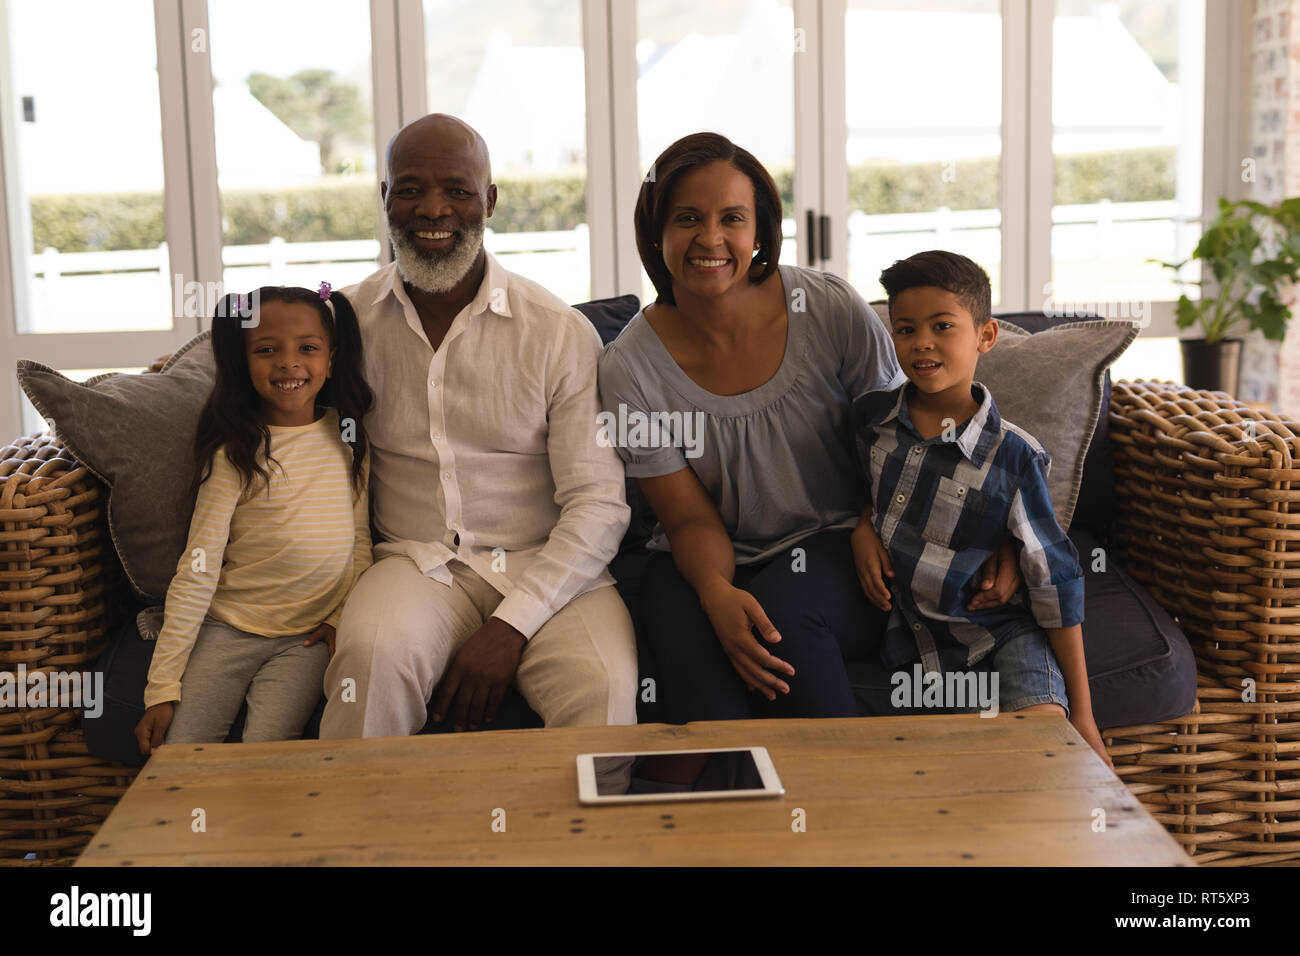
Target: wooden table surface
{"type": "Point", "coordinates": [893, 791]}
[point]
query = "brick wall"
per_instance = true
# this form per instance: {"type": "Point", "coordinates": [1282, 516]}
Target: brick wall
{"type": "Point", "coordinates": [1271, 373]}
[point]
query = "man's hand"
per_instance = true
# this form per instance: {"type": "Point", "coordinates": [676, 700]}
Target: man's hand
{"type": "Point", "coordinates": [478, 675]}
{"type": "Point", "coordinates": [871, 558]}
{"type": "Point", "coordinates": [152, 729]}
{"type": "Point", "coordinates": [999, 579]}
{"type": "Point", "coordinates": [324, 633]}
{"type": "Point", "coordinates": [734, 613]}
{"type": "Point", "coordinates": [158, 363]}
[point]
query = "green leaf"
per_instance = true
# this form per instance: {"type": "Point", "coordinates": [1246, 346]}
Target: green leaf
{"type": "Point", "coordinates": [1271, 317]}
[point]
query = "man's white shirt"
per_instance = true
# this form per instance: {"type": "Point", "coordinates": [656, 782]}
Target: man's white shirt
{"type": "Point", "coordinates": [485, 450]}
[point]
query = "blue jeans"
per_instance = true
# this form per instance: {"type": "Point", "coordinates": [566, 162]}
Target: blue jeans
{"type": "Point", "coordinates": [1028, 673]}
{"type": "Point", "coordinates": [813, 599]}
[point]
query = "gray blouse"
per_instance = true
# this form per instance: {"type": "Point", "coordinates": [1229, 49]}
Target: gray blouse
{"type": "Point", "coordinates": [776, 460]}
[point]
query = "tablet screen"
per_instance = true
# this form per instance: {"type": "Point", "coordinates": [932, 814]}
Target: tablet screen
{"type": "Point", "coordinates": [712, 771]}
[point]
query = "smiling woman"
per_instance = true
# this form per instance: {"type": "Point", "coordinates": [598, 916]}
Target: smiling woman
{"type": "Point", "coordinates": [671, 223]}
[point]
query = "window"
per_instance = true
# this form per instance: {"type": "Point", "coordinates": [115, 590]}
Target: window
{"type": "Point", "coordinates": [1126, 145]}
{"type": "Point", "coordinates": [924, 125]}
{"type": "Point", "coordinates": [85, 180]}
{"type": "Point", "coordinates": [514, 70]}
{"type": "Point", "coordinates": [724, 67]}
{"type": "Point", "coordinates": [295, 142]}
{"type": "Point", "coordinates": [904, 125]}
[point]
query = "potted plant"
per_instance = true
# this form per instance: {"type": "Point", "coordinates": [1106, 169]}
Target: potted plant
{"type": "Point", "coordinates": [1250, 256]}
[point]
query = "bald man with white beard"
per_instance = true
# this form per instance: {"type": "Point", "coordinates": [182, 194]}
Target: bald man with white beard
{"type": "Point", "coordinates": [497, 508]}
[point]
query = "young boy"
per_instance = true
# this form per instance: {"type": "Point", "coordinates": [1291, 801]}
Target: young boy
{"type": "Point", "coordinates": [948, 479]}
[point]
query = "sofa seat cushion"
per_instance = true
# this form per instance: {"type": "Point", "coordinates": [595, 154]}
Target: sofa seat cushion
{"type": "Point", "coordinates": [1140, 666]}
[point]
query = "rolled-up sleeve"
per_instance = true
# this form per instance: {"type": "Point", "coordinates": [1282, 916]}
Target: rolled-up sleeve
{"type": "Point", "coordinates": [1049, 563]}
{"type": "Point", "coordinates": [642, 438]}
{"type": "Point", "coordinates": [589, 488]}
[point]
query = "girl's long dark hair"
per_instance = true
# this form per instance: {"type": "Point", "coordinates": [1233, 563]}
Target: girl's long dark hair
{"type": "Point", "coordinates": [232, 414]}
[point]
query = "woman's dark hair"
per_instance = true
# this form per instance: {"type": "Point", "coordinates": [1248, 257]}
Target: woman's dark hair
{"type": "Point", "coordinates": [232, 414]}
{"type": "Point", "coordinates": [688, 153]}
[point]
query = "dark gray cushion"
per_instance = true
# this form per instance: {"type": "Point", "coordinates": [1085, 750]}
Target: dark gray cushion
{"type": "Point", "coordinates": [1140, 666]}
{"type": "Point", "coordinates": [136, 434]}
{"type": "Point", "coordinates": [610, 317]}
{"type": "Point", "coordinates": [1095, 506]}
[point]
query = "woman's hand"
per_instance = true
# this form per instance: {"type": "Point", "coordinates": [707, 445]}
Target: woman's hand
{"type": "Point", "coordinates": [999, 579]}
{"type": "Point", "coordinates": [871, 558]}
{"type": "Point", "coordinates": [152, 729]}
{"type": "Point", "coordinates": [323, 633]}
{"type": "Point", "coordinates": [733, 613]}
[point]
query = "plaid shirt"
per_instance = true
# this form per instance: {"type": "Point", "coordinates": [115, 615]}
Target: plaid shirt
{"type": "Point", "coordinates": [941, 508]}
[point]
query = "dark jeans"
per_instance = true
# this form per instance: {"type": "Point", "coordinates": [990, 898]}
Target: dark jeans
{"type": "Point", "coordinates": [822, 615]}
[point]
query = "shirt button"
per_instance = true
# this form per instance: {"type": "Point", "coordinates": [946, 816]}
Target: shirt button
{"type": "Point", "coordinates": [434, 383]}
{"type": "Point", "coordinates": [960, 492]}
{"type": "Point", "coordinates": [916, 450]}
{"type": "Point", "coordinates": [446, 476]}
{"type": "Point", "coordinates": [900, 499]}
{"type": "Point", "coordinates": [436, 433]}
{"type": "Point", "coordinates": [916, 627]}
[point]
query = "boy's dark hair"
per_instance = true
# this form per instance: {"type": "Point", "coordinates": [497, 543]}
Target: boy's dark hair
{"type": "Point", "coordinates": [232, 414]}
{"type": "Point", "coordinates": [944, 270]}
{"type": "Point", "coordinates": [688, 153]}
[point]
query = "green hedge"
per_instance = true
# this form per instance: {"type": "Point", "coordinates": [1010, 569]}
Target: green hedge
{"type": "Point", "coordinates": [345, 210]}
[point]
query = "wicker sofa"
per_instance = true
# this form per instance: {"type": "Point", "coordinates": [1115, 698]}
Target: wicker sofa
{"type": "Point", "coordinates": [1207, 517]}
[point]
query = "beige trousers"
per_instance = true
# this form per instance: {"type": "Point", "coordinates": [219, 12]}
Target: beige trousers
{"type": "Point", "coordinates": [399, 630]}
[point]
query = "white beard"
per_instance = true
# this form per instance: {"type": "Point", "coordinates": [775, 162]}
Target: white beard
{"type": "Point", "coordinates": [436, 272]}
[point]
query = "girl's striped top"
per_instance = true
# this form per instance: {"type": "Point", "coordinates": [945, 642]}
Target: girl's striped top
{"type": "Point", "coordinates": [276, 565]}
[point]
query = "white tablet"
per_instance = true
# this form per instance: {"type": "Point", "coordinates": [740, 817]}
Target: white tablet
{"type": "Point", "coordinates": [649, 776]}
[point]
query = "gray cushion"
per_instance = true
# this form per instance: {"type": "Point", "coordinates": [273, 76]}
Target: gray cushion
{"type": "Point", "coordinates": [1095, 507]}
{"type": "Point", "coordinates": [136, 434]}
{"type": "Point", "coordinates": [1052, 384]}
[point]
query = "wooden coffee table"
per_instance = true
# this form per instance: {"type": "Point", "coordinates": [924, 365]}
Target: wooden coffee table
{"type": "Point", "coordinates": [894, 791]}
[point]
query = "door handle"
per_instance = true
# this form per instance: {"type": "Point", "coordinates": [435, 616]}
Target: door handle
{"type": "Point", "coordinates": [811, 237]}
{"type": "Point", "coordinates": [826, 238]}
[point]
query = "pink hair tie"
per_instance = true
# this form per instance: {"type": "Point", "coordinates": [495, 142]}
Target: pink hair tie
{"type": "Point", "coordinates": [325, 290]}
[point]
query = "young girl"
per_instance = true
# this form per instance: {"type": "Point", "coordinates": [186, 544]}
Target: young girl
{"type": "Point", "coordinates": [281, 525]}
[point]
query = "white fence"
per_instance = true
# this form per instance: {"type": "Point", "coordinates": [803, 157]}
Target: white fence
{"type": "Point", "coordinates": [134, 289]}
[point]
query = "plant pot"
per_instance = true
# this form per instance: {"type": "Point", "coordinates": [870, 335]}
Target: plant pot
{"type": "Point", "coordinates": [1214, 366]}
